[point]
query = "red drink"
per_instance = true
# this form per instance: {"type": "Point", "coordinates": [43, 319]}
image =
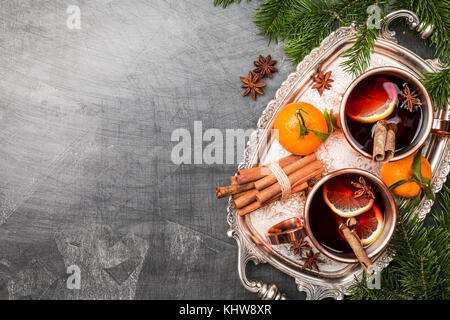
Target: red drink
{"type": "Point", "coordinates": [322, 223]}
{"type": "Point", "coordinates": [371, 93]}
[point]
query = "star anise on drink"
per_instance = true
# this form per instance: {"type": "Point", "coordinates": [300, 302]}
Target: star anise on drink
{"type": "Point", "coordinates": [298, 246]}
{"type": "Point", "coordinates": [411, 98]}
{"type": "Point", "coordinates": [363, 188]}
{"type": "Point", "coordinates": [322, 81]}
{"type": "Point", "coordinates": [252, 85]}
{"type": "Point", "coordinates": [311, 260]}
{"type": "Point", "coordinates": [265, 66]}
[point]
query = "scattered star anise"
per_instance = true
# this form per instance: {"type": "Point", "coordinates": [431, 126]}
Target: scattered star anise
{"type": "Point", "coordinates": [363, 188]}
{"type": "Point", "coordinates": [265, 66]}
{"type": "Point", "coordinates": [411, 98]}
{"type": "Point", "coordinates": [322, 81]}
{"type": "Point", "coordinates": [298, 246]}
{"type": "Point", "coordinates": [252, 85]}
{"type": "Point", "coordinates": [311, 260]}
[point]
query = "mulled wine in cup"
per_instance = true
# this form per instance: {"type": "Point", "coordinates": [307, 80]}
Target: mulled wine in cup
{"type": "Point", "coordinates": [348, 194]}
{"type": "Point", "coordinates": [392, 98]}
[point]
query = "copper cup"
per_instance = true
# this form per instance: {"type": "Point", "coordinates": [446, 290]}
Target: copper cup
{"type": "Point", "coordinates": [429, 124]}
{"type": "Point", "coordinates": [286, 231]}
{"type": "Point", "coordinates": [389, 210]}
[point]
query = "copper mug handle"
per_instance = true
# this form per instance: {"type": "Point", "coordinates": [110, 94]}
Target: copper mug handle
{"type": "Point", "coordinates": [441, 127]}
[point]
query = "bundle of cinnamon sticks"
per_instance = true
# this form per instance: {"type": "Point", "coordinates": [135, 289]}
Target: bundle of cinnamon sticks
{"type": "Point", "coordinates": [256, 187]}
{"type": "Point", "coordinates": [384, 141]}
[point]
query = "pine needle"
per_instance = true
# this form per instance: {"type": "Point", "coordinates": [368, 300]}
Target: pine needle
{"type": "Point", "coordinates": [358, 55]}
{"type": "Point", "coordinates": [438, 87]}
{"type": "Point", "coordinates": [225, 3]}
{"type": "Point", "coordinates": [273, 18]}
{"type": "Point", "coordinates": [421, 265]}
{"type": "Point", "coordinates": [315, 21]}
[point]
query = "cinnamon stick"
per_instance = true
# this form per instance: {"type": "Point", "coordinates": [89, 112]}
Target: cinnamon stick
{"type": "Point", "coordinates": [271, 179]}
{"type": "Point", "coordinates": [302, 175]}
{"type": "Point", "coordinates": [352, 222]}
{"type": "Point", "coordinates": [257, 205]}
{"type": "Point", "coordinates": [241, 194]}
{"type": "Point", "coordinates": [233, 189]}
{"type": "Point", "coordinates": [245, 199]}
{"type": "Point", "coordinates": [298, 187]}
{"type": "Point", "coordinates": [252, 174]}
{"type": "Point", "coordinates": [389, 148]}
{"type": "Point", "coordinates": [379, 140]}
{"type": "Point", "coordinates": [355, 243]}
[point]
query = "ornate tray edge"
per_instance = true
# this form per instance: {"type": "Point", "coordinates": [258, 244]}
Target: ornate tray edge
{"type": "Point", "coordinates": [246, 249]}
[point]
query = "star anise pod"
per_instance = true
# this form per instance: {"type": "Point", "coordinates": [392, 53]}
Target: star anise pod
{"type": "Point", "coordinates": [298, 246]}
{"type": "Point", "coordinates": [363, 188]}
{"type": "Point", "coordinates": [322, 81]}
{"type": "Point", "coordinates": [252, 85]}
{"type": "Point", "coordinates": [265, 66]}
{"type": "Point", "coordinates": [411, 98]}
{"type": "Point", "coordinates": [311, 260]}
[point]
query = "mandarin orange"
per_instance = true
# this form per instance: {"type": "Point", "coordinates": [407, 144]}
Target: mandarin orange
{"type": "Point", "coordinates": [392, 172]}
{"type": "Point", "coordinates": [287, 124]}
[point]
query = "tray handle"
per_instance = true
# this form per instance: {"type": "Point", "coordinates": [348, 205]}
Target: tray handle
{"type": "Point", "coordinates": [413, 22]}
{"type": "Point", "coordinates": [246, 254]}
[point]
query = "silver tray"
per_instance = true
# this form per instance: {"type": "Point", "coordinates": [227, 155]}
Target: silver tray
{"type": "Point", "coordinates": [252, 245]}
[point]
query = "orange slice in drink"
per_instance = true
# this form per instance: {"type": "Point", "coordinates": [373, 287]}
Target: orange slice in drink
{"type": "Point", "coordinates": [372, 101]}
{"type": "Point", "coordinates": [370, 225]}
{"type": "Point", "coordinates": [339, 195]}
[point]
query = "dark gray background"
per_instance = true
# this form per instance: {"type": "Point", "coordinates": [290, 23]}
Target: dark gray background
{"type": "Point", "coordinates": [86, 118]}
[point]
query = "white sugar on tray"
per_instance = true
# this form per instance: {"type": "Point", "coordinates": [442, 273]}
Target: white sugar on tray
{"type": "Point", "coordinates": [335, 153]}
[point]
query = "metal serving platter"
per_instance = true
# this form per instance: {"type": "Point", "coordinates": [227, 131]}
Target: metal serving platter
{"type": "Point", "coordinates": [335, 278]}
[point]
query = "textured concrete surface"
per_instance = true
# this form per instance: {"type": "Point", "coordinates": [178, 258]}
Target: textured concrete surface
{"type": "Point", "coordinates": [86, 118]}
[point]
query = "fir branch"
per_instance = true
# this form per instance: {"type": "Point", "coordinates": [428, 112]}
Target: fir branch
{"type": "Point", "coordinates": [273, 17]}
{"type": "Point", "coordinates": [358, 55]}
{"type": "Point", "coordinates": [438, 87]}
{"type": "Point", "coordinates": [436, 13]}
{"type": "Point", "coordinates": [445, 203]}
{"type": "Point", "coordinates": [354, 11]}
{"type": "Point", "coordinates": [315, 21]}
{"type": "Point", "coordinates": [225, 3]}
{"type": "Point", "coordinates": [421, 265]}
